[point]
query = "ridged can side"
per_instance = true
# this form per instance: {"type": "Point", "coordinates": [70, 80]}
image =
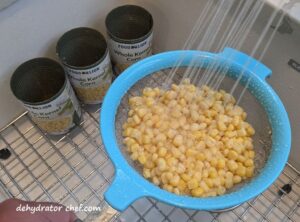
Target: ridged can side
{"type": "Point", "coordinates": [85, 57]}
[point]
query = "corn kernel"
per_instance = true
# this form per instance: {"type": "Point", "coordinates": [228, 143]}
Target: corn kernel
{"type": "Point", "coordinates": [168, 187]}
{"type": "Point", "coordinates": [249, 163]}
{"type": "Point", "coordinates": [232, 165]}
{"type": "Point", "coordinates": [154, 157]}
{"type": "Point", "coordinates": [182, 121]}
{"type": "Point", "coordinates": [178, 140]}
{"type": "Point", "coordinates": [204, 186]}
{"type": "Point", "coordinates": [161, 164]}
{"type": "Point", "coordinates": [205, 173]}
{"type": "Point", "coordinates": [162, 152]}
{"type": "Point", "coordinates": [175, 180]}
{"type": "Point", "coordinates": [236, 179]}
{"type": "Point", "coordinates": [228, 183]}
{"type": "Point", "coordinates": [182, 185]}
{"type": "Point", "coordinates": [142, 112]}
{"type": "Point", "coordinates": [209, 182]}
{"type": "Point", "coordinates": [134, 156]}
{"type": "Point", "coordinates": [214, 132]}
{"type": "Point", "coordinates": [181, 168]}
{"type": "Point", "coordinates": [185, 177]}
{"type": "Point", "coordinates": [241, 158]}
{"type": "Point", "coordinates": [233, 155]}
{"type": "Point", "coordinates": [221, 190]}
{"type": "Point", "coordinates": [250, 131]}
{"type": "Point", "coordinates": [241, 171]}
{"type": "Point", "coordinates": [221, 164]}
{"type": "Point", "coordinates": [136, 119]}
{"type": "Point", "coordinates": [191, 153]}
{"type": "Point", "coordinates": [249, 172]}
{"type": "Point", "coordinates": [230, 127]}
{"type": "Point", "coordinates": [197, 192]}
{"type": "Point", "coordinates": [221, 126]}
{"type": "Point", "coordinates": [146, 139]}
{"type": "Point", "coordinates": [200, 156]}
{"type": "Point", "coordinates": [192, 184]}
{"type": "Point", "coordinates": [217, 182]}
{"type": "Point", "coordinates": [251, 154]}
{"type": "Point", "coordinates": [212, 173]}
{"type": "Point", "coordinates": [176, 191]}
{"type": "Point", "coordinates": [146, 173]}
{"type": "Point", "coordinates": [142, 159]}
{"type": "Point", "coordinates": [149, 164]}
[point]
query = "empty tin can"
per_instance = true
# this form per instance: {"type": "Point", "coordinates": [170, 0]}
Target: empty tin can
{"type": "Point", "coordinates": [130, 31]}
{"type": "Point", "coordinates": [45, 91]}
{"type": "Point", "coordinates": [85, 57]}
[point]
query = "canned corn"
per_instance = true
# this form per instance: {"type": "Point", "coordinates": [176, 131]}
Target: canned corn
{"type": "Point", "coordinates": [44, 90]}
{"type": "Point", "coordinates": [85, 57]}
{"type": "Point", "coordinates": [129, 29]}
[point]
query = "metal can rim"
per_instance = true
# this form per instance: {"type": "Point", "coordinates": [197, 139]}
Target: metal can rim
{"type": "Point", "coordinates": [58, 48]}
{"type": "Point", "coordinates": [28, 62]}
{"type": "Point", "coordinates": [129, 41]}
{"type": "Point", "coordinates": [87, 67]}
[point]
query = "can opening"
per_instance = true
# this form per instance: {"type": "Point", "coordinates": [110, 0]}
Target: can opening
{"type": "Point", "coordinates": [38, 80]}
{"type": "Point", "coordinates": [129, 22]}
{"type": "Point", "coordinates": [81, 47]}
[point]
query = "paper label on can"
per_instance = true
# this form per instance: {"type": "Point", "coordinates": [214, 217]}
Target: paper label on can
{"type": "Point", "coordinates": [127, 54]}
{"type": "Point", "coordinates": [92, 77]}
{"type": "Point", "coordinates": [57, 115]}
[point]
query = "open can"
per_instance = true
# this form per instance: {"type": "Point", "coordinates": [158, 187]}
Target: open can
{"type": "Point", "coordinates": [130, 32]}
{"type": "Point", "coordinates": [45, 91]}
{"type": "Point", "coordinates": [85, 57]}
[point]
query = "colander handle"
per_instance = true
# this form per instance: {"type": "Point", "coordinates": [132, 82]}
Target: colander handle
{"type": "Point", "coordinates": [246, 61]}
{"type": "Point", "coordinates": [123, 191]}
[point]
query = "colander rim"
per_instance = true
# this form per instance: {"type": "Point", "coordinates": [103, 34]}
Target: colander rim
{"type": "Point", "coordinates": [129, 185]}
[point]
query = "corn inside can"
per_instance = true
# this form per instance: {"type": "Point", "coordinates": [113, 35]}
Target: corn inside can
{"type": "Point", "coordinates": [45, 91]}
{"type": "Point", "coordinates": [85, 57]}
{"type": "Point", "coordinates": [130, 32]}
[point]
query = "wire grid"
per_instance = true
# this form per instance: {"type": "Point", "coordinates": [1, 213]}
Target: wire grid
{"type": "Point", "coordinates": [74, 169]}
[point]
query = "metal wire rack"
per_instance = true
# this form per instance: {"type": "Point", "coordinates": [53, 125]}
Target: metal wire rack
{"type": "Point", "coordinates": [74, 169]}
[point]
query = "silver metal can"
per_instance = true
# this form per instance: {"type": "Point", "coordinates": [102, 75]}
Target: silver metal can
{"type": "Point", "coordinates": [130, 32]}
{"type": "Point", "coordinates": [45, 91]}
{"type": "Point", "coordinates": [85, 57]}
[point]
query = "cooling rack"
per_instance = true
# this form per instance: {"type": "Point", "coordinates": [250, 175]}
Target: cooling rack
{"type": "Point", "coordinates": [74, 169]}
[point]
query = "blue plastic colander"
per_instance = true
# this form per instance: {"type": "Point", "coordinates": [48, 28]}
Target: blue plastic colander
{"type": "Point", "coordinates": [129, 185]}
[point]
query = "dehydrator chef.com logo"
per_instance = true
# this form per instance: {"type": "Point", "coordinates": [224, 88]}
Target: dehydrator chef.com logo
{"type": "Point", "coordinates": [54, 208]}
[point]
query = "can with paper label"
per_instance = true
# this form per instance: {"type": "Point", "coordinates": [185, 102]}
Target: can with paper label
{"type": "Point", "coordinates": [130, 32]}
{"type": "Point", "coordinates": [85, 57]}
{"type": "Point", "coordinates": [45, 91]}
